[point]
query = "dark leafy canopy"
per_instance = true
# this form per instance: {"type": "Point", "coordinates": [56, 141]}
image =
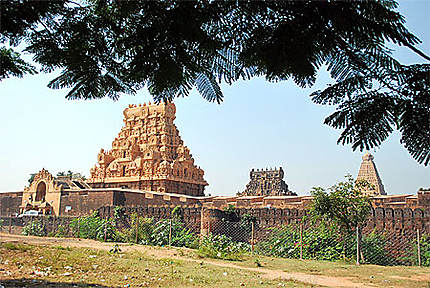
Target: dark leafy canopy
{"type": "Point", "coordinates": [108, 47]}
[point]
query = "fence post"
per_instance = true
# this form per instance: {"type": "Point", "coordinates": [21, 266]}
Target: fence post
{"type": "Point", "coordinates": [358, 233]}
{"type": "Point", "coordinates": [418, 247]}
{"type": "Point", "coordinates": [137, 228]}
{"type": "Point", "coordinates": [170, 232]}
{"type": "Point", "coordinates": [79, 227]}
{"type": "Point", "coordinates": [252, 238]}
{"type": "Point", "coordinates": [106, 227]}
{"type": "Point", "coordinates": [10, 224]}
{"type": "Point", "coordinates": [301, 241]}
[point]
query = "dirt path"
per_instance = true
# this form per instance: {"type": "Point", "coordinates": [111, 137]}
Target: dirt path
{"type": "Point", "coordinates": [161, 252]}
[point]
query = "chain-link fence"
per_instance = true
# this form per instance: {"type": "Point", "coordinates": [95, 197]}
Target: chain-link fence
{"type": "Point", "coordinates": [322, 242]}
{"type": "Point", "coordinates": [225, 239]}
{"type": "Point", "coordinates": [39, 225]}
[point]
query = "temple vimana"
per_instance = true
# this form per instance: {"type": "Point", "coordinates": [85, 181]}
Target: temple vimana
{"type": "Point", "coordinates": [266, 183]}
{"type": "Point", "coordinates": [149, 154]}
{"type": "Point", "coordinates": [149, 166]}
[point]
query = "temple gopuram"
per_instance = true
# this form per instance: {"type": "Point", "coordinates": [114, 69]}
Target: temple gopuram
{"type": "Point", "coordinates": [369, 173]}
{"type": "Point", "coordinates": [267, 183]}
{"type": "Point", "coordinates": [148, 154]}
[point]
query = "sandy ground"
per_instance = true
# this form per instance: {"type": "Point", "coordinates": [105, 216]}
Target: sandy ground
{"type": "Point", "coordinates": [161, 252]}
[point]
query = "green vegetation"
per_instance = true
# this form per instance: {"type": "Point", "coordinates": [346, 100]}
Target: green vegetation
{"type": "Point", "coordinates": [17, 246]}
{"type": "Point", "coordinates": [319, 243]}
{"type": "Point", "coordinates": [34, 228]}
{"type": "Point", "coordinates": [344, 206]}
{"type": "Point", "coordinates": [97, 45]}
{"type": "Point", "coordinates": [180, 237]}
{"type": "Point", "coordinates": [222, 247]}
{"type": "Point", "coordinates": [94, 227]}
{"type": "Point", "coordinates": [425, 250]}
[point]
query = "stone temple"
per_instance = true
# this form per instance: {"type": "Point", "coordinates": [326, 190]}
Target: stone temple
{"type": "Point", "coordinates": [148, 154]}
{"type": "Point", "coordinates": [150, 169]}
{"type": "Point", "coordinates": [267, 183]}
{"type": "Point", "coordinates": [369, 173]}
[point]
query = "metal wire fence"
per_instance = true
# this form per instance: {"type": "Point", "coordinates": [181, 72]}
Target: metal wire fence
{"type": "Point", "coordinates": [296, 240]}
{"type": "Point", "coordinates": [322, 242]}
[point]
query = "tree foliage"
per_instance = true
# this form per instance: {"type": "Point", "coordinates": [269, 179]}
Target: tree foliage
{"type": "Point", "coordinates": [343, 204]}
{"type": "Point", "coordinates": [106, 47]}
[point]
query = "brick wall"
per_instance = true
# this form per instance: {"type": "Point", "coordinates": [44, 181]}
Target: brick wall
{"type": "Point", "coordinates": [10, 202]}
{"type": "Point", "coordinates": [83, 202]}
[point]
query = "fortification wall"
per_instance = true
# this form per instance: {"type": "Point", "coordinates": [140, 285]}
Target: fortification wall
{"type": "Point", "coordinates": [10, 202]}
{"type": "Point", "coordinates": [396, 214]}
{"type": "Point", "coordinates": [190, 216]}
{"type": "Point", "coordinates": [83, 202]}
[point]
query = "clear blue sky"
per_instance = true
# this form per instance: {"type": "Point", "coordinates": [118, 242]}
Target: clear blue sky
{"type": "Point", "coordinates": [259, 125]}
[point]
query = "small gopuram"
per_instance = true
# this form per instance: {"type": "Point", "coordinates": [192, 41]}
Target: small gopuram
{"type": "Point", "coordinates": [267, 183]}
{"type": "Point", "coordinates": [369, 173]}
{"type": "Point", "coordinates": [45, 191]}
{"type": "Point", "coordinates": [148, 154]}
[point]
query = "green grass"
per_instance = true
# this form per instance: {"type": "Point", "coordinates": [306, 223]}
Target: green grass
{"type": "Point", "coordinates": [13, 246]}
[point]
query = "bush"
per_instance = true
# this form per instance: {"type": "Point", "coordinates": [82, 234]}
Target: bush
{"type": "Point", "coordinates": [320, 243]}
{"type": "Point", "coordinates": [34, 228]}
{"type": "Point", "coordinates": [222, 247]}
{"type": "Point", "coordinates": [425, 250]}
{"type": "Point", "coordinates": [157, 233]}
{"type": "Point", "coordinates": [181, 236]}
{"type": "Point", "coordinates": [144, 230]}
{"type": "Point", "coordinates": [61, 231]}
{"type": "Point", "coordinates": [374, 252]}
{"type": "Point", "coordinates": [93, 227]}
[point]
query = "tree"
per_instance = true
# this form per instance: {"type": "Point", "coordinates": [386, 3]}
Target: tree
{"type": "Point", "coordinates": [30, 180]}
{"type": "Point", "coordinates": [107, 47]}
{"type": "Point", "coordinates": [344, 205]}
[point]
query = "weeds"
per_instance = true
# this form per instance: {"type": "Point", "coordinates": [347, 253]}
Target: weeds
{"type": "Point", "coordinates": [13, 246]}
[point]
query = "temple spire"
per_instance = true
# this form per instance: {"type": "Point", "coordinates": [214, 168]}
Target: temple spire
{"type": "Point", "coordinates": [369, 173]}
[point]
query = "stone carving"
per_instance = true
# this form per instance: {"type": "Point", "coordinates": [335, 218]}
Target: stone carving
{"type": "Point", "coordinates": [148, 154]}
{"type": "Point", "coordinates": [267, 183]}
{"type": "Point", "coordinates": [369, 173]}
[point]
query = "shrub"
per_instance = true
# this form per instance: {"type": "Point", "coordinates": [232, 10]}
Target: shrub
{"type": "Point", "coordinates": [181, 236]}
{"type": "Point", "coordinates": [93, 227]}
{"type": "Point", "coordinates": [374, 252]}
{"type": "Point", "coordinates": [34, 228]}
{"type": "Point", "coordinates": [321, 243]}
{"type": "Point", "coordinates": [425, 250]}
{"type": "Point", "coordinates": [61, 231]}
{"type": "Point", "coordinates": [222, 247]}
{"type": "Point", "coordinates": [144, 228]}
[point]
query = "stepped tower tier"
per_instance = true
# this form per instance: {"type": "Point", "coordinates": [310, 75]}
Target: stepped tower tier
{"type": "Point", "coordinates": [266, 183]}
{"type": "Point", "coordinates": [369, 173]}
{"type": "Point", "coordinates": [148, 154]}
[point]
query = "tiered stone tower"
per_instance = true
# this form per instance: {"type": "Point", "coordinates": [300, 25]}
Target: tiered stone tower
{"type": "Point", "coordinates": [148, 154]}
{"type": "Point", "coordinates": [266, 183]}
{"type": "Point", "coordinates": [369, 173]}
